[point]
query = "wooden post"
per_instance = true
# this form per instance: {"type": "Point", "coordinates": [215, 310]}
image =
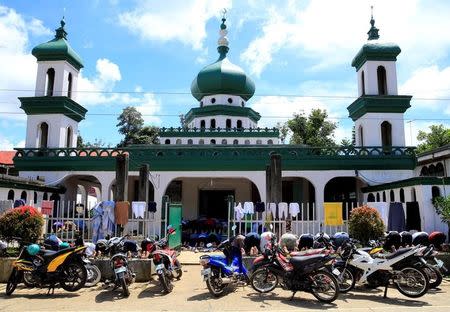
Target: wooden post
{"type": "Point", "coordinates": [144, 183]}
{"type": "Point", "coordinates": [268, 183]}
{"type": "Point", "coordinates": [122, 162]}
{"type": "Point", "coordinates": [275, 178]}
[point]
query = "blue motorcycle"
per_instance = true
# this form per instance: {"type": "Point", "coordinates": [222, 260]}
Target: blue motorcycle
{"type": "Point", "coordinates": [220, 271]}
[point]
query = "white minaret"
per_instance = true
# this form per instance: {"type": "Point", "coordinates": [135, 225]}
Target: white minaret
{"type": "Point", "coordinates": [53, 113]}
{"type": "Point", "coordinates": [378, 111]}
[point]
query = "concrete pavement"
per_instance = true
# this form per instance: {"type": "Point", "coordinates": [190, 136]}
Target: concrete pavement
{"type": "Point", "coordinates": [191, 294]}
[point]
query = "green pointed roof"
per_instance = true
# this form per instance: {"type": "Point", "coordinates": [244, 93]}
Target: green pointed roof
{"type": "Point", "coordinates": [222, 76]}
{"type": "Point", "coordinates": [58, 49]}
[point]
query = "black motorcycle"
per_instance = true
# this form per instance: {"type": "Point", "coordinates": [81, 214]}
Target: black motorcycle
{"type": "Point", "coordinates": [123, 276]}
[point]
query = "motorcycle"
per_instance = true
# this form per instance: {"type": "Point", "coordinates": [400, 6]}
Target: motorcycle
{"type": "Point", "coordinates": [49, 268]}
{"type": "Point", "coordinates": [220, 271]}
{"type": "Point", "coordinates": [167, 266]}
{"type": "Point", "coordinates": [123, 276]}
{"type": "Point", "coordinates": [404, 267]}
{"type": "Point", "coordinates": [298, 273]}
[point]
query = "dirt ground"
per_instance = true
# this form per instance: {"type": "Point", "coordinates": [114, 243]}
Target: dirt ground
{"type": "Point", "coordinates": [191, 294]}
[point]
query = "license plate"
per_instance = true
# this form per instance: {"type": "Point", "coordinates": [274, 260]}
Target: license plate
{"type": "Point", "coordinates": [336, 272]}
{"type": "Point", "coordinates": [439, 263]}
{"type": "Point", "coordinates": [120, 270]}
{"type": "Point", "coordinates": [206, 273]}
{"type": "Point", "coordinates": [159, 267]}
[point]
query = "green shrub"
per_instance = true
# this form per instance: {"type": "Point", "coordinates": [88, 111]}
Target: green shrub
{"type": "Point", "coordinates": [24, 222]}
{"type": "Point", "coordinates": [365, 224]}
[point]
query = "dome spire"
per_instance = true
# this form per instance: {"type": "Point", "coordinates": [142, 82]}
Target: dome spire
{"type": "Point", "coordinates": [223, 40]}
{"type": "Point", "coordinates": [61, 32]}
{"type": "Point", "coordinates": [373, 31]}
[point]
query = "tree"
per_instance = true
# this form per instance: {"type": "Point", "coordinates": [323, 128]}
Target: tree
{"type": "Point", "coordinates": [131, 125]}
{"type": "Point", "coordinates": [346, 143]}
{"type": "Point", "coordinates": [283, 131]}
{"type": "Point", "coordinates": [314, 130]}
{"type": "Point", "coordinates": [147, 135]}
{"type": "Point", "coordinates": [96, 144]}
{"type": "Point", "coordinates": [80, 142]}
{"type": "Point", "coordinates": [365, 224]}
{"type": "Point", "coordinates": [437, 137]}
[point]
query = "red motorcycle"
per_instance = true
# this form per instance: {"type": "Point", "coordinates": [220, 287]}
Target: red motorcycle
{"type": "Point", "coordinates": [167, 266]}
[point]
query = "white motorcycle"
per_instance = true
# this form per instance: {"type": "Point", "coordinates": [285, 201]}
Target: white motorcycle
{"type": "Point", "coordinates": [405, 268]}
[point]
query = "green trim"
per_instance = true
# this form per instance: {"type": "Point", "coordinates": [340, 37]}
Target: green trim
{"type": "Point", "coordinates": [218, 132]}
{"type": "Point", "coordinates": [378, 104]}
{"type": "Point", "coordinates": [43, 105]}
{"type": "Point", "coordinates": [226, 110]}
{"type": "Point", "coordinates": [405, 183]}
{"type": "Point", "coordinates": [220, 158]}
{"type": "Point", "coordinates": [24, 185]}
{"type": "Point", "coordinates": [373, 51]}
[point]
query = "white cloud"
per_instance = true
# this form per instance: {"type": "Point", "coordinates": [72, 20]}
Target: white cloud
{"type": "Point", "coordinates": [183, 21]}
{"type": "Point", "coordinates": [8, 145]}
{"type": "Point", "coordinates": [150, 106]}
{"type": "Point", "coordinates": [413, 127]}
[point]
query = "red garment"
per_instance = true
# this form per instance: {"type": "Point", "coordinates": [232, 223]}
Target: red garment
{"type": "Point", "coordinates": [121, 212]}
{"type": "Point", "coordinates": [47, 207]}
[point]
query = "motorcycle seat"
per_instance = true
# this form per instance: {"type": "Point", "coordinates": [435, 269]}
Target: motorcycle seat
{"type": "Point", "coordinates": [49, 254]}
{"type": "Point", "coordinates": [397, 253]}
{"type": "Point", "coordinates": [300, 262]}
{"type": "Point", "coordinates": [366, 249]}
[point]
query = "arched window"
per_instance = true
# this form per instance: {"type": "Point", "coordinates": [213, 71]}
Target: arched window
{"type": "Point", "coordinates": [386, 134]}
{"type": "Point", "coordinates": [269, 141]}
{"type": "Point", "coordinates": [224, 142]}
{"type": "Point", "coordinates": [382, 85]}
{"type": "Point", "coordinates": [45, 196]}
{"type": "Point", "coordinates": [384, 196]}
{"type": "Point", "coordinates": [370, 198]}
{"type": "Point", "coordinates": [178, 141]}
{"type": "Point", "coordinates": [424, 171]}
{"type": "Point", "coordinates": [35, 197]}
{"type": "Point", "coordinates": [247, 142]}
{"type": "Point", "coordinates": [439, 170]}
{"type": "Point", "coordinates": [435, 192]}
{"type": "Point", "coordinates": [23, 196]}
{"type": "Point", "coordinates": [201, 142]}
{"type": "Point", "coordinates": [228, 123]}
{"type": "Point", "coordinates": [167, 141]}
{"type": "Point", "coordinates": [378, 197]}
{"type": "Point", "coordinates": [432, 170]}
{"type": "Point", "coordinates": [392, 196]}
{"type": "Point", "coordinates": [361, 136]}
{"type": "Point", "coordinates": [258, 141]}
{"type": "Point", "coordinates": [402, 195]}
{"type": "Point", "coordinates": [190, 142]}
{"type": "Point", "coordinates": [413, 194]}
{"type": "Point", "coordinates": [69, 137]}
{"type": "Point", "coordinates": [239, 124]}
{"type": "Point", "coordinates": [11, 195]}
{"type": "Point", "coordinates": [202, 124]}
{"type": "Point", "coordinates": [213, 141]}
{"type": "Point", "coordinates": [235, 142]}
{"type": "Point", "coordinates": [50, 82]}
{"type": "Point", "coordinates": [213, 123]}
{"type": "Point", "coordinates": [69, 85]}
{"type": "Point", "coordinates": [43, 135]}
{"type": "Point", "coordinates": [363, 84]}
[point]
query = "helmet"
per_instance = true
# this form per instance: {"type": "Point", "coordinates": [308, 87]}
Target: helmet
{"type": "Point", "coordinates": [64, 245]}
{"type": "Point", "coordinates": [420, 238]}
{"type": "Point", "coordinates": [339, 238]}
{"type": "Point", "coordinates": [33, 249]}
{"type": "Point", "coordinates": [406, 238]}
{"type": "Point", "coordinates": [437, 239]}
{"type": "Point", "coordinates": [306, 241]}
{"type": "Point", "coordinates": [392, 239]}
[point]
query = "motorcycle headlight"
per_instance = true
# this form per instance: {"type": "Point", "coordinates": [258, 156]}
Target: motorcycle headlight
{"type": "Point", "coordinates": [204, 260]}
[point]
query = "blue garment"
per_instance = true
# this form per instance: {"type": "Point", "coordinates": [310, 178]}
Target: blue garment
{"type": "Point", "coordinates": [108, 219]}
{"type": "Point", "coordinates": [19, 203]}
{"type": "Point", "coordinates": [97, 217]}
{"type": "Point", "coordinates": [396, 219]}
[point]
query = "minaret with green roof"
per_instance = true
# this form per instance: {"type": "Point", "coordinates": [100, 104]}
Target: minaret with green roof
{"type": "Point", "coordinates": [53, 113]}
{"type": "Point", "coordinates": [378, 111]}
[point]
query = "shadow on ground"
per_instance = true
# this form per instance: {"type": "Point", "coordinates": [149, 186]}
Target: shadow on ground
{"type": "Point", "coordinates": [305, 303]}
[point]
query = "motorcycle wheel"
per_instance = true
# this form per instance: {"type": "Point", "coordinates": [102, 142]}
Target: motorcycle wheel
{"type": "Point", "coordinates": [413, 282]}
{"type": "Point", "coordinates": [214, 286]}
{"type": "Point", "coordinates": [263, 280]}
{"type": "Point", "coordinates": [28, 279]}
{"type": "Point", "coordinates": [324, 286]}
{"type": "Point", "coordinates": [434, 276]}
{"type": "Point", "coordinates": [12, 282]}
{"type": "Point", "coordinates": [93, 275]}
{"type": "Point", "coordinates": [346, 280]}
{"type": "Point", "coordinates": [165, 281]}
{"type": "Point", "coordinates": [73, 276]}
{"type": "Point", "coordinates": [123, 283]}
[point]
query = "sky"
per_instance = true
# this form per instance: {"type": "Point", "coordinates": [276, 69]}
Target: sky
{"type": "Point", "coordinates": [146, 54]}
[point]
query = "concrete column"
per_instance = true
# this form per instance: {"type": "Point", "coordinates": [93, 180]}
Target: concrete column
{"type": "Point", "coordinates": [320, 192]}
{"type": "Point", "coordinates": [122, 162]}
{"type": "Point", "coordinates": [143, 183]}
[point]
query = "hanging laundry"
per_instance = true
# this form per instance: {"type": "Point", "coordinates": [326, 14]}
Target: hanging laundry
{"type": "Point", "coordinates": [272, 207]}
{"type": "Point", "coordinates": [47, 207]}
{"type": "Point", "coordinates": [138, 208]}
{"type": "Point", "coordinates": [268, 218]}
{"type": "Point", "coordinates": [96, 221]}
{"type": "Point", "coordinates": [152, 206]}
{"type": "Point", "coordinates": [108, 218]}
{"type": "Point", "coordinates": [396, 219]}
{"type": "Point", "coordinates": [121, 212]}
{"type": "Point", "coordinates": [282, 210]}
{"type": "Point", "coordinates": [238, 212]}
{"type": "Point", "coordinates": [413, 221]}
{"type": "Point", "coordinates": [259, 207]}
{"type": "Point", "coordinates": [333, 213]}
{"type": "Point", "coordinates": [294, 209]}
{"type": "Point", "coordinates": [249, 208]}
{"type": "Point", "coordinates": [19, 203]}
{"type": "Point", "coordinates": [5, 205]}
{"type": "Point", "coordinates": [382, 208]}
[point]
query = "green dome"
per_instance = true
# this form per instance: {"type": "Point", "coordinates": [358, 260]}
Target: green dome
{"type": "Point", "coordinates": [58, 49]}
{"type": "Point", "coordinates": [222, 77]}
{"type": "Point", "coordinates": [373, 51]}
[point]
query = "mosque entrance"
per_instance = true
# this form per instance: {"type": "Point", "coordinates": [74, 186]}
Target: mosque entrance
{"type": "Point", "coordinates": [213, 203]}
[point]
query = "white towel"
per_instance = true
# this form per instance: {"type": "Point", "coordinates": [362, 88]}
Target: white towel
{"type": "Point", "coordinates": [282, 210]}
{"type": "Point", "coordinates": [294, 209]}
{"type": "Point", "coordinates": [383, 209]}
{"type": "Point", "coordinates": [249, 208]}
{"type": "Point", "coordinates": [272, 207]}
{"type": "Point", "coordinates": [138, 208]}
{"type": "Point", "coordinates": [238, 212]}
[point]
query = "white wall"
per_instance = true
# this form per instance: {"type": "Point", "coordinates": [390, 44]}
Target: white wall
{"type": "Point", "coordinates": [222, 99]}
{"type": "Point", "coordinates": [371, 77]}
{"type": "Point", "coordinates": [62, 70]}
{"type": "Point", "coordinates": [221, 122]}
{"type": "Point", "coordinates": [57, 130]}
{"type": "Point", "coordinates": [371, 123]}
{"type": "Point", "coordinates": [18, 192]}
{"type": "Point", "coordinates": [207, 140]}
